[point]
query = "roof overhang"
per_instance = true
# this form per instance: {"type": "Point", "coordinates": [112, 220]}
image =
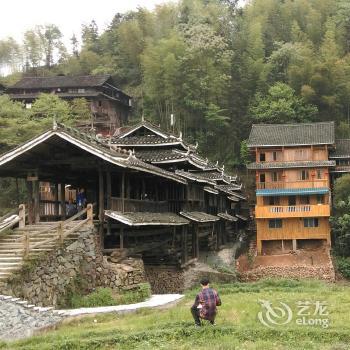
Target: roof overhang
{"type": "Point", "coordinates": [227, 217]}
{"type": "Point", "coordinates": [199, 216]}
{"type": "Point", "coordinates": [107, 155]}
{"type": "Point", "coordinates": [147, 218]}
{"type": "Point", "coordinates": [292, 191]}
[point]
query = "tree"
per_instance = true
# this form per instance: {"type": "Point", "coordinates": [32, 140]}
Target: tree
{"type": "Point", "coordinates": [49, 107]}
{"type": "Point", "coordinates": [50, 40]}
{"type": "Point", "coordinates": [281, 105]}
{"type": "Point", "coordinates": [340, 221]}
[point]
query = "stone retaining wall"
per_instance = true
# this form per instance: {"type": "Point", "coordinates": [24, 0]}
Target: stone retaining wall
{"type": "Point", "coordinates": [171, 280]}
{"type": "Point", "coordinates": [322, 272]}
{"type": "Point", "coordinates": [294, 272]}
{"type": "Point", "coordinates": [46, 280]}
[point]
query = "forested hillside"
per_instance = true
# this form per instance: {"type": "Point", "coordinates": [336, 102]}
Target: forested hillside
{"type": "Point", "coordinates": [216, 67]}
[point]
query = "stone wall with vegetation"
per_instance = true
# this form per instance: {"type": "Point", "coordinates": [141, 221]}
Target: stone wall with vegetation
{"type": "Point", "coordinates": [50, 278]}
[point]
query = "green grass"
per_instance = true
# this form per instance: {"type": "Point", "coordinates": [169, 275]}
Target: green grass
{"type": "Point", "coordinates": [237, 323]}
{"type": "Point", "coordinates": [108, 297]}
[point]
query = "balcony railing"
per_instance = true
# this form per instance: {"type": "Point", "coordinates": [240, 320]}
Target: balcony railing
{"type": "Point", "coordinates": [292, 184]}
{"type": "Point", "coordinates": [290, 211]}
{"type": "Point", "coordinates": [137, 205]}
{"type": "Point", "coordinates": [342, 168]}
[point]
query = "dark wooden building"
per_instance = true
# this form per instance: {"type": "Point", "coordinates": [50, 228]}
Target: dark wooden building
{"type": "Point", "coordinates": [110, 106]}
{"type": "Point", "coordinates": [168, 213]}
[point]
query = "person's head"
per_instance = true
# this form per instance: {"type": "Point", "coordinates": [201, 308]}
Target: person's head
{"type": "Point", "coordinates": [204, 282]}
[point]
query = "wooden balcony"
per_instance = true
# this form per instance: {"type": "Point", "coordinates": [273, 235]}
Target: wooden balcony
{"type": "Point", "coordinates": [341, 169]}
{"type": "Point", "coordinates": [291, 211]}
{"type": "Point", "coordinates": [137, 205]}
{"type": "Point", "coordinates": [292, 184]}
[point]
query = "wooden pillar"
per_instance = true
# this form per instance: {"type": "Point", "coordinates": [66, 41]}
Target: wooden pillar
{"type": "Point", "coordinates": [36, 194]}
{"type": "Point", "coordinates": [184, 245]}
{"type": "Point", "coordinates": [121, 238]}
{"type": "Point", "coordinates": [30, 201]}
{"type": "Point", "coordinates": [22, 215]}
{"type": "Point", "coordinates": [294, 244]}
{"type": "Point", "coordinates": [57, 207]}
{"type": "Point", "coordinates": [122, 192]}
{"type": "Point", "coordinates": [101, 201]}
{"type": "Point", "coordinates": [109, 195]}
{"type": "Point", "coordinates": [195, 242]}
{"type": "Point", "coordinates": [90, 214]}
{"type": "Point", "coordinates": [259, 246]}
{"type": "Point", "coordinates": [63, 201]}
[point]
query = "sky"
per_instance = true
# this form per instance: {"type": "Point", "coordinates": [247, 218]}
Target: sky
{"type": "Point", "coordinates": [17, 16]}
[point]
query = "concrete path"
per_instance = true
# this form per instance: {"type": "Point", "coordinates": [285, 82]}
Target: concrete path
{"type": "Point", "coordinates": [18, 319]}
{"type": "Point", "coordinates": [156, 300]}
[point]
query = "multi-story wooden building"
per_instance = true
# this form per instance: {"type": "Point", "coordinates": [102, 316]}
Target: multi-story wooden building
{"type": "Point", "coordinates": [168, 215]}
{"type": "Point", "coordinates": [341, 156]}
{"type": "Point", "coordinates": [109, 105]}
{"type": "Point", "coordinates": [292, 169]}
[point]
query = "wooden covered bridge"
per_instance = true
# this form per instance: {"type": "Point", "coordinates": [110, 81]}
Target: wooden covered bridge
{"type": "Point", "coordinates": [166, 212]}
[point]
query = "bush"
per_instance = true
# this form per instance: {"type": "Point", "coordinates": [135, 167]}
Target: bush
{"type": "Point", "coordinates": [109, 297]}
{"type": "Point", "coordinates": [343, 266]}
{"type": "Point", "coordinates": [100, 297]}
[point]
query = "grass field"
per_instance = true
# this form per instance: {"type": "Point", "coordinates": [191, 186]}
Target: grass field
{"type": "Point", "coordinates": [237, 326]}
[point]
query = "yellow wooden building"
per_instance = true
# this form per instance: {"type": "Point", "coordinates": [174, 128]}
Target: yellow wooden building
{"type": "Point", "coordinates": [293, 197]}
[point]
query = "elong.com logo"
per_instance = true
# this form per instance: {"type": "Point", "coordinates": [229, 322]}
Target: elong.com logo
{"type": "Point", "coordinates": [310, 313]}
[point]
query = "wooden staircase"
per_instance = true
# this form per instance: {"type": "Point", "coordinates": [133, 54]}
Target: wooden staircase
{"type": "Point", "coordinates": [26, 242]}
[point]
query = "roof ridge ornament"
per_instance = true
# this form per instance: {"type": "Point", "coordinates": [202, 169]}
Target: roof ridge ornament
{"type": "Point", "coordinates": [54, 123]}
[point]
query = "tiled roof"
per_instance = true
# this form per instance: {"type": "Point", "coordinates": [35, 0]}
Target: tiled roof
{"type": "Point", "coordinates": [282, 165]}
{"type": "Point", "coordinates": [244, 218]}
{"type": "Point", "coordinates": [215, 175]}
{"type": "Point", "coordinates": [153, 129]}
{"type": "Point", "coordinates": [145, 140]}
{"type": "Point", "coordinates": [199, 216]}
{"type": "Point", "coordinates": [156, 156]}
{"type": "Point", "coordinates": [60, 81]}
{"type": "Point", "coordinates": [227, 217]}
{"type": "Point", "coordinates": [194, 176]}
{"type": "Point", "coordinates": [231, 187]}
{"type": "Point", "coordinates": [147, 218]}
{"type": "Point", "coordinates": [342, 149]}
{"type": "Point", "coordinates": [291, 134]}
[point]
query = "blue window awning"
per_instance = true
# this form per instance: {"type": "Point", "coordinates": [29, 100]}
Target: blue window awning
{"type": "Point", "coordinates": [292, 191]}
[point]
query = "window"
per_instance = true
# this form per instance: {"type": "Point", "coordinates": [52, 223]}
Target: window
{"type": "Point", "coordinates": [319, 173]}
{"type": "Point", "coordinates": [100, 103]}
{"type": "Point", "coordinates": [311, 222]}
{"type": "Point", "coordinates": [320, 198]}
{"type": "Point", "coordinates": [81, 91]}
{"type": "Point", "coordinates": [292, 200]}
{"type": "Point", "coordinates": [274, 201]}
{"type": "Point", "coordinates": [304, 175]}
{"type": "Point", "coordinates": [274, 177]}
{"type": "Point", "coordinates": [304, 200]}
{"type": "Point", "coordinates": [28, 105]}
{"type": "Point", "coordinates": [275, 223]}
{"type": "Point", "coordinates": [262, 177]}
{"type": "Point", "coordinates": [276, 155]}
{"type": "Point", "coordinates": [262, 157]}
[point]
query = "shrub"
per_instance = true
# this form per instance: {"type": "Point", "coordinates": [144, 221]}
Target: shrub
{"type": "Point", "coordinates": [108, 297]}
{"type": "Point", "coordinates": [343, 266]}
